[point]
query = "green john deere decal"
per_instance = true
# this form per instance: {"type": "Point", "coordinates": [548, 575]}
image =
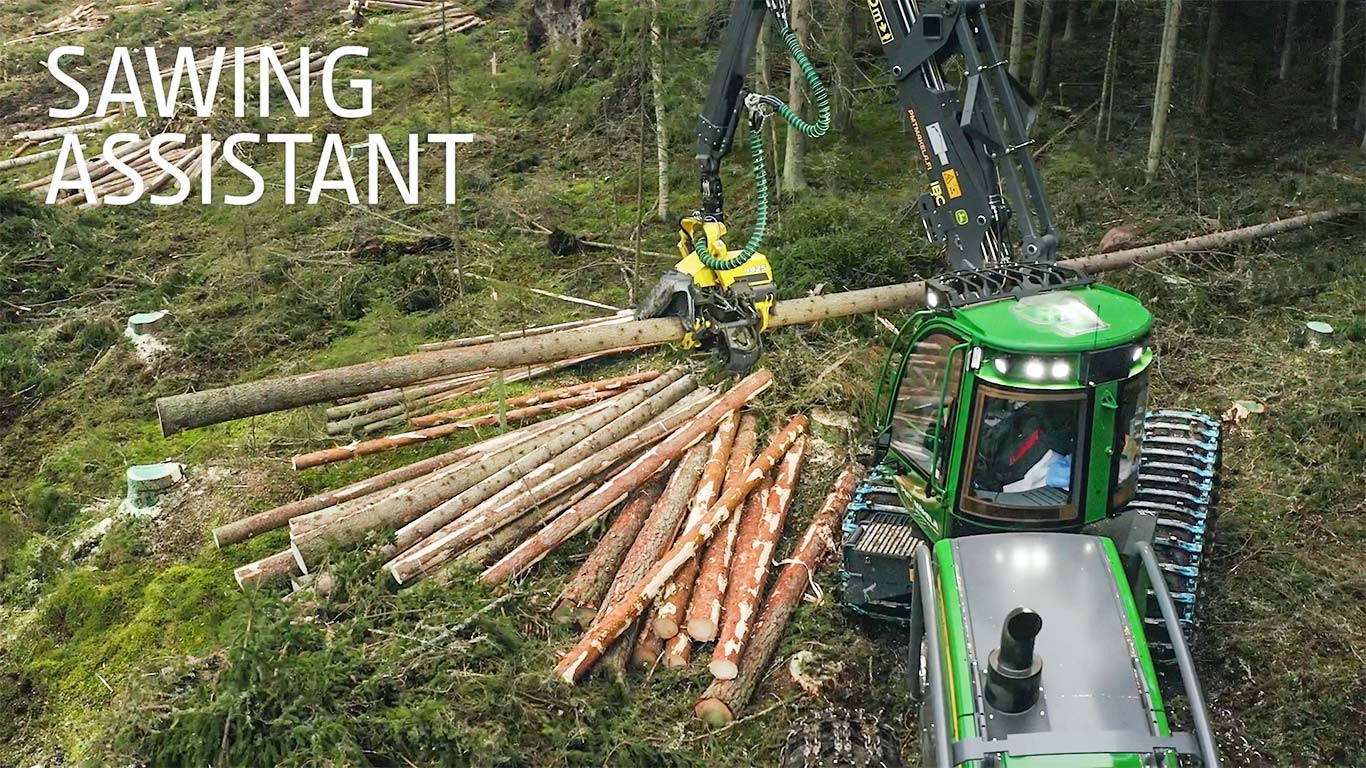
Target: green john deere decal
{"type": "Point", "coordinates": [961, 216]}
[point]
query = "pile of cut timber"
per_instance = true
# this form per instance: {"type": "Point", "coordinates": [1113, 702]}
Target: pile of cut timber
{"type": "Point", "coordinates": [687, 561]}
{"type": "Point", "coordinates": [489, 495]}
{"type": "Point", "coordinates": [700, 514]}
{"type": "Point", "coordinates": [83, 18]}
{"type": "Point", "coordinates": [135, 155]}
{"type": "Point", "coordinates": [427, 16]}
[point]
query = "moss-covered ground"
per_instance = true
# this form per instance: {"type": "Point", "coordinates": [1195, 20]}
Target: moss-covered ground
{"type": "Point", "coordinates": [146, 652]}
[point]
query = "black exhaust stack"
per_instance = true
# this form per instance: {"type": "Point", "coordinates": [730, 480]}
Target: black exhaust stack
{"type": "Point", "coordinates": [1014, 670]}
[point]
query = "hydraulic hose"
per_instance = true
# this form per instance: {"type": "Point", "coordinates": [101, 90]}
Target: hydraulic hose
{"type": "Point", "coordinates": [821, 98]}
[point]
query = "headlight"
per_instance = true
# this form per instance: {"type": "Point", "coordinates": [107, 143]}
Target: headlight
{"type": "Point", "coordinates": [1062, 369]}
{"type": "Point", "coordinates": [1033, 369]}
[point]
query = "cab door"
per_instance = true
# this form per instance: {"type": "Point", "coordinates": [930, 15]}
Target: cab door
{"type": "Point", "coordinates": [919, 406]}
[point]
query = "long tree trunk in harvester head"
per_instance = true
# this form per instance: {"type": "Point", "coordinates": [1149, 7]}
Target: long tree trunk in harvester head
{"type": "Point", "coordinates": [723, 700]}
{"type": "Point", "coordinates": [599, 637]}
{"type": "Point", "coordinates": [1166, 66]}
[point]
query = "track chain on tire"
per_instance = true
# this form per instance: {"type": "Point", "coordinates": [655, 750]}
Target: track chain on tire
{"type": "Point", "coordinates": [841, 738]}
{"type": "Point", "coordinates": [1178, 472]}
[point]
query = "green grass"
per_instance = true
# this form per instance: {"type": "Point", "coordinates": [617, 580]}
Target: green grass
{"type": "Point", "coordinates": [203, 675]}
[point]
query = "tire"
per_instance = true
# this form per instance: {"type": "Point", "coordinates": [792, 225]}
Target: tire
{"type": "Point", "coordinates": [842, 738]}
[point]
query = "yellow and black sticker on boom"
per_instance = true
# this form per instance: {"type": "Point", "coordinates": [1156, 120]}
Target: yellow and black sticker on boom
{"type": "Point", "coordinates": [880, 23]}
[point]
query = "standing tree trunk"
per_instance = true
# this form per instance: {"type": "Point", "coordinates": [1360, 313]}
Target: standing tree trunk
{"type": "Point", "coordinates": [1043, 49]}
{"type": "Point", "coordinates": [761, 66]}
{"type": "Point", "coordinates": [1069, 29]}
{"type": "Point", "coordinates": [1288, 46]}
{"type": "Point", "coordinates": [1017, 30]}
{"type": "Point", "coordinates": [661, 120]}
{"type": "Point", "coordinates": [794, 160]}
{"type": "Point", "coordinates": [1209, 61]}
{"type": "Point", "coordinates": [1107, 85]}
{"type": "Point", "coordinates": [845, 68]}
{"type": "Point", "coordinates": [1166, 65]}
{"type": "Point", "coordinates": [1335, 64]}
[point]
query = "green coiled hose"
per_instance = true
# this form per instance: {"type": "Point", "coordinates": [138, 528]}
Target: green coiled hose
{"type": "Point", "coordinates": [821, 98]}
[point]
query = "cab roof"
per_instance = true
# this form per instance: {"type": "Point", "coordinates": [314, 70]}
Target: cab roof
{"type": "Point", "coordinates": [1065, 320]}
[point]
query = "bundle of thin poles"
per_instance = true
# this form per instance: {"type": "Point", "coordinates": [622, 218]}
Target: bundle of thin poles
{"type": "Point", "coordinates": [83, 18]}
{"type": "Point", "coordinates": [107, 180]}
{"type": "Point", "coordinates": [426, 19]}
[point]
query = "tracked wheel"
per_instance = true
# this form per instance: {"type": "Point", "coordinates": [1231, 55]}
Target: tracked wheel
{"type": "Point", "coordinates": [1178, 476]}
{"type": "Point", "coordinates": [842, 738]}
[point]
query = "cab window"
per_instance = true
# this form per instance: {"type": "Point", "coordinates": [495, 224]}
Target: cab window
{"type": "Point", "coordinates": [1023, 455]}
{"type": "Point", "coordinates": [923, 411]}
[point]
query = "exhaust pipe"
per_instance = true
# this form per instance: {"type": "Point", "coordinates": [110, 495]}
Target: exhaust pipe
{"type": "Point", "coordinates": [1014, 670]}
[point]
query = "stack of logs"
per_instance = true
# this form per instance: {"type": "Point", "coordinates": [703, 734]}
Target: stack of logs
{"type": "Point", "coordinates": [83, 18]}
{"type": "Point", "coordinates": [136, 155]}
{"type": "Point", "coordinates": [427, 19]}
{"type": "Point", "coordinates": [685, 560]}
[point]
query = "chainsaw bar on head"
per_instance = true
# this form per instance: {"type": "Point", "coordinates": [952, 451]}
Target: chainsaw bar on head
{"type": "Point", "coordinates": [1177, 471]}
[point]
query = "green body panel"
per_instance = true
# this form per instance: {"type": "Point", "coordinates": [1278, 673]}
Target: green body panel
{"type": "Point", "coordinates": [1102, 451]}
{"type": "Point", "coordinates": [958, 670]}
{"type": "Point", "coordinates": [996, 324]}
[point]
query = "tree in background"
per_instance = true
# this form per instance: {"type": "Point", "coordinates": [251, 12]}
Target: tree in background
{"type": "Point", "coordinates": [1166, 67]}
{"type": "Point", "coordinates": [1017, 29]}
{"type": "Point", "coordinates": [1209, 61]}
{"type": "Point", "coordinates": [1043, 49]}
{"type": "Point", "coordinates": [1335, 54]}
{"type": "Point", "coordinates": [1288, 39]}
{"type": "Point", "coordinates": [661, 123]}
{"type": "Point", "coordinates": [794, 160]}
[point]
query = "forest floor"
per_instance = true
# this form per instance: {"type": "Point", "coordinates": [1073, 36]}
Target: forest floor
{"type": "Point", "coordinates": [148, 652]}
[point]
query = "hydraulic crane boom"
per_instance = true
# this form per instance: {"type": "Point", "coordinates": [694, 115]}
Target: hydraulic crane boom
{"type": "Point", "coordinates": [970, 119]}
{"type": "Point", "coordinates": [972, 138]}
